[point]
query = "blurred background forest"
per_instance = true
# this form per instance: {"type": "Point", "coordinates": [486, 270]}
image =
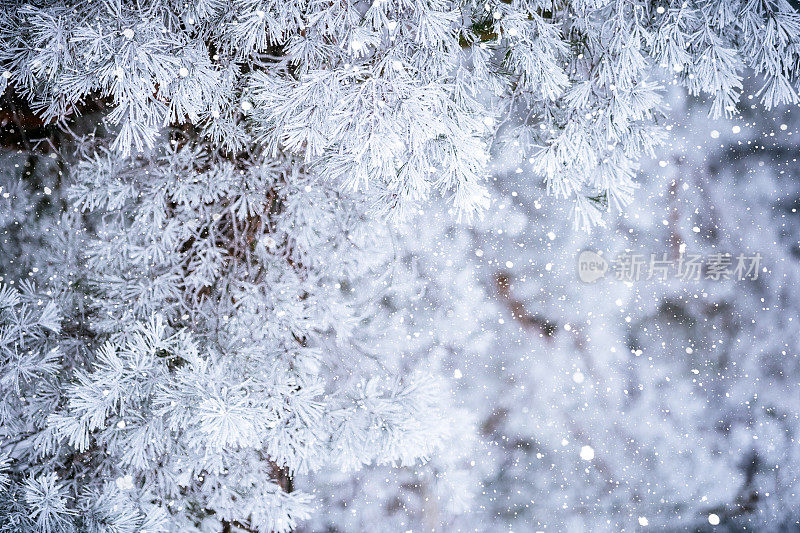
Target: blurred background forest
{"type": "Point", "coordinates": [684, 394]}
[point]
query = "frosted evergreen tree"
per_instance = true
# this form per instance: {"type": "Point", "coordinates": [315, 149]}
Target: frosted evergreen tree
{"type": "Point", "coordinates": [209, 319]}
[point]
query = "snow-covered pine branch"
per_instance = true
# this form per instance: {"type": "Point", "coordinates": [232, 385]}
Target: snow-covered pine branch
{"type": "Point", "coordinates": [389, 97]}
{"type": "Point", "coordinates": [220, 251]}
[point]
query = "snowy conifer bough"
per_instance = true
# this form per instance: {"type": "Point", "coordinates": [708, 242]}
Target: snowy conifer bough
{"type": "Point", "coordinates": [222, 268]}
